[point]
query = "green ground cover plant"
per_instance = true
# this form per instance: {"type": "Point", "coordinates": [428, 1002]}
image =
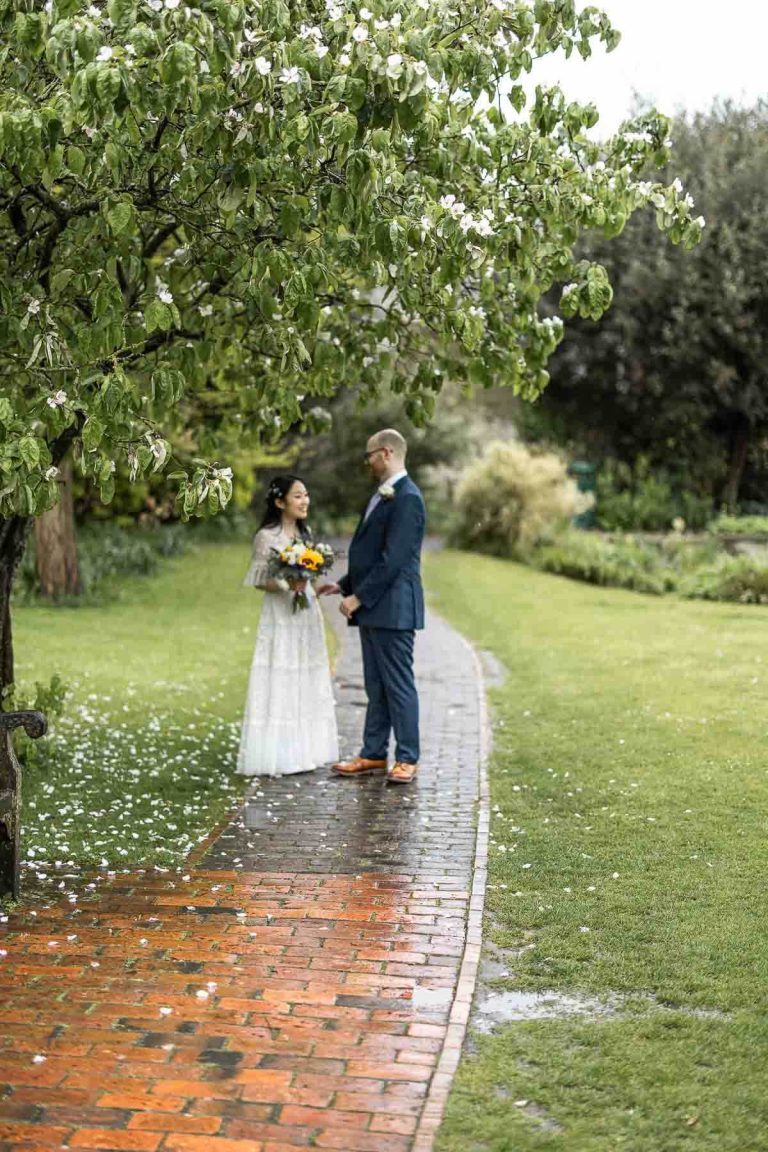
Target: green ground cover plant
{"type": "Point", "coordinates": [629, 787]}
{"type": "Point", "coordinates": [140, 763]}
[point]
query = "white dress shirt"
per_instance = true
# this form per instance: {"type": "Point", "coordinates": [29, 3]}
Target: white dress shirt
{"type": "Point", "coordinates": [376, 499]}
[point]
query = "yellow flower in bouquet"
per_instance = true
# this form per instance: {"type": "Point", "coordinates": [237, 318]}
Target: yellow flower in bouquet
{"type": "Point", "coordinates": [300, 561]}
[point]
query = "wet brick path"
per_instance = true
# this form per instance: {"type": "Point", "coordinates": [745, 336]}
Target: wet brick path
{"type": "Point", "coordinates": [323, 824]}
{"type": "Point", "coordinates": [290, 990]}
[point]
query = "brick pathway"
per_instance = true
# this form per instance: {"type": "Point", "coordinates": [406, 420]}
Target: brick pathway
{"type": "Point", "coordinates": [297, 986]}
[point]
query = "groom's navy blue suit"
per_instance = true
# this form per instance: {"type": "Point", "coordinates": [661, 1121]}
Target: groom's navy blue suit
{"type": "Point", "coordinates": [385, 575]}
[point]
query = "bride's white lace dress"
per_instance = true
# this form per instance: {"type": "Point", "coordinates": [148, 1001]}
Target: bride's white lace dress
{"type": "Point", "coordinates": [290, 720]}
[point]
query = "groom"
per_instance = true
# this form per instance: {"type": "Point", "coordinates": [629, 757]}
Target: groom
{"type": "Point", "coordinates": [383, 597]}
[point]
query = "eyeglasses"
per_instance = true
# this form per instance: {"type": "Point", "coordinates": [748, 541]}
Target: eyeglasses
{"type": "Point", "coordinates": [373, 452]}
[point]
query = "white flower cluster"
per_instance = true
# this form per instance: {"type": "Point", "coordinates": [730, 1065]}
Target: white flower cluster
{"type": "Point", "coordinates": [467, 221]}
{"type": "Point", "coordinates": [58, 400]}
{"type": "Point", "coordinates": [315, 34]}
{"type": "Point", "coordinates": [292, 555]}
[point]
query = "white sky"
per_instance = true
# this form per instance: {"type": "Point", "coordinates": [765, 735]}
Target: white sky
{"type": "Point", "coordinates": [680, 53]}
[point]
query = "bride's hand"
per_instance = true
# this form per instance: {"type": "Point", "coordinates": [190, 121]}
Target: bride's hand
{"type": "Point", "coordinates": [328, 590]}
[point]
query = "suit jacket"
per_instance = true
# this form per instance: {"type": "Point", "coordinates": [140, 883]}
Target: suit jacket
{"type": "Point", "coordinates": [385, 562]}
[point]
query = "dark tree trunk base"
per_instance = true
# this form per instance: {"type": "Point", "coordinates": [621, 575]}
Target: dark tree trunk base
{"type": "Point", "coordinates": [13, 538]}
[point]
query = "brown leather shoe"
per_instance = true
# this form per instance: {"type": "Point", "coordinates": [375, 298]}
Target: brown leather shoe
{"type": "Point", "coordinates": [401, 773]}
{"type": "Point", "coordinates": [357, 766]}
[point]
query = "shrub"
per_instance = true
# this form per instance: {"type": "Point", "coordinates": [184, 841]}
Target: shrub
{"type": "Point", "coordinates": [512, 499]}
{"type": "Point", "coordinates": [47, 698]}
{"type": "Point", "coordinates": [106, 550]}
{"type": "Point", "coordinates": [640, 499]}
{"type": "Point", "coordinates": [741, 579]}
{"type": "Point", "coordinates": [612, 563]}
{"type": "Point", "coordinates": [739, 526]}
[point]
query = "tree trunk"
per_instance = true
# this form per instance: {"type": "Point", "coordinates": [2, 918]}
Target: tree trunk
{"type": "Point", "coordinates": [56, 545]}
{"type": "Point", "coordinates": [738, 451]}
{"type": "Point", "coordinates": [13, 538]}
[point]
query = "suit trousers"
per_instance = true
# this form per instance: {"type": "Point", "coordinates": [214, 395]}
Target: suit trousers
{"type": "Point", "coordinates": [390, 685]}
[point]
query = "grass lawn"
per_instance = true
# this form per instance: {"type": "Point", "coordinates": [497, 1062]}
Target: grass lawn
{"type": "Point", "coordinates": [141, 764]}
{"type": "Point", "coordinates": [628, 862]}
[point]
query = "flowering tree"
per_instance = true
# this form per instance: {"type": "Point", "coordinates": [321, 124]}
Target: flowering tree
{"type": "Point", "coordinates": [212, 217]}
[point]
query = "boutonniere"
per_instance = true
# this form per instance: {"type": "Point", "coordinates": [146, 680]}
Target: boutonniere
{"type": "Point", "coordinates": [386, 491]}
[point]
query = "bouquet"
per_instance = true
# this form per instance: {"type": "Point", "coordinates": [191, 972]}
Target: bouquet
{"type": "Point", "coordinates": [299, 562]}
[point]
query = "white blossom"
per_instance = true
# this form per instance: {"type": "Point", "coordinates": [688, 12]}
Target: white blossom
{"type": "Point", "coordinates": [262, 66]}
{"type": "Point", "coordinates": [34, 306]}
{"type": "Point", "coordinates": [105, 53]}
{"type": "Point", "coordinates": [52, 472]}
{"type": "Point", "coordinates": [360, 34]}
{"type": "Point", "coordinates": [366, 14]}
{"type": "Point", "coordinates": [289, 75]}
{"type": "Point", "coordinates": [344, 60]}
{"type": "Point", "coordinates": [57, 400]}
{"type": "Point", "coordinates": [164, 293]}
{"type": "Point", "coordinates": [205, 67]}
{"type": "Point", "coordinates": [237, 68]}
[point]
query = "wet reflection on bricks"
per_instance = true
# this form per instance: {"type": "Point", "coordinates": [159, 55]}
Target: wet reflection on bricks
{"type": "Point", "coordinates": [325, 824]}
{"type": "Point", "coordinates": [291, 990]}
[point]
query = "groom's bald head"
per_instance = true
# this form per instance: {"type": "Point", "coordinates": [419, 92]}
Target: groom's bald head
{"type": "Point", "coordinates": [391, 439]}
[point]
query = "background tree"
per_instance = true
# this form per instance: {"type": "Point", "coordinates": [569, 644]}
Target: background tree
{"type": "Point", "coordinates": [676, 373]}
{"type": "Point", "coordinates": [55, 542]}
{"type": "Point", "coordinates": [332, 460]}
{"type": "Point", "coordinates": [214, 217]}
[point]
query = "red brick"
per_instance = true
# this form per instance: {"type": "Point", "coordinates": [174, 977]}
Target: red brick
{"type": "Point", "coordinates": [164, 1122]}
{"type": "Point", "coordinates": [178, 1143]}
{"type": "Point", "coordinates": [108, 1138]}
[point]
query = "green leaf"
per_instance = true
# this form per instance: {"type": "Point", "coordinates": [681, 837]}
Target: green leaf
{"type": "Point", "coordinates": [75, 160]}
{"type": "Point", "coordinates": [158, 315]}
{"type": "Point", "coordinates": [120, 216]}
{"type": "Point", "coordinates": [93, 433]}
{"type": "Point", "coordinates": [29, 449]}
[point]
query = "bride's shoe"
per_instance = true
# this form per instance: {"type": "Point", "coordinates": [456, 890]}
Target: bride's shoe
{"type": "Point", "coordinates": [357, 766]}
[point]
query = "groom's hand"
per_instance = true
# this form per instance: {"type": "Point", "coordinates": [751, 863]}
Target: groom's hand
{"type": "Point", "coordinates": [349, 606]}
{"type": "Point", "coordinates": [328, 590]}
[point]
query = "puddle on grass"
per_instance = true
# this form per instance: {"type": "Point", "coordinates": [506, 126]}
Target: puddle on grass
{"type": "Point", "coordinates": [494, 671]}
{"type": "Point", "coordinates": [495, 1008]}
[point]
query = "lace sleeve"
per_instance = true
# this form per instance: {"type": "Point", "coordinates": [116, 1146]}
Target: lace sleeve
{"type": "Point", "coordinates": [258, 570]}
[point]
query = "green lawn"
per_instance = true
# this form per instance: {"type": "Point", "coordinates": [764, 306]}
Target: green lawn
{"type": "Point", "coordinates": [141, 764]}
{"type": "Point", "coordinates": [628, 862]}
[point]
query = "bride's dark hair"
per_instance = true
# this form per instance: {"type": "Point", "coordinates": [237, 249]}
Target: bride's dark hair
{"type": "Point", "coordinates": [278, 489]}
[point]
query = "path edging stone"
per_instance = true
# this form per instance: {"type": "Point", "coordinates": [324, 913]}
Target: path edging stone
{"type": "Point", "coordinates": [437, 1097]}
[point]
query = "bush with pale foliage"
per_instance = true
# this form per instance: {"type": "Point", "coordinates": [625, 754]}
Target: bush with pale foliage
{"type": "Point", "coordinates": [513, 498]}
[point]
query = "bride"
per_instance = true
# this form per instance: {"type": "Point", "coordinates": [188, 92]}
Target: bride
{"type": "Point", "coordinates": [289, 723]}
